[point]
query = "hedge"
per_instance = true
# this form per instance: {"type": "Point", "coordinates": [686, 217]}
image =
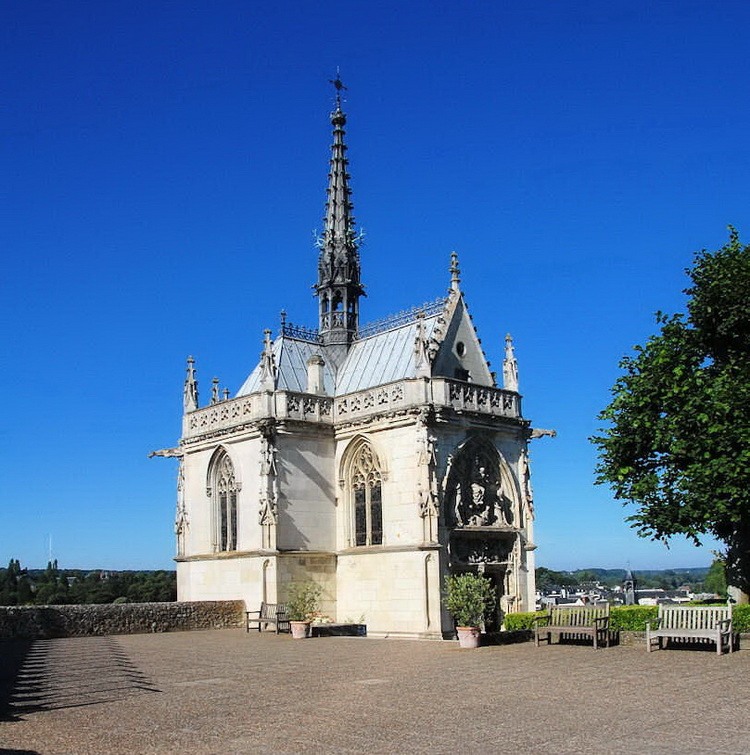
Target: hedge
{"type": "Point", "coordinates": [628, 618]}
{"type": "Point", "coordinates": [515, 621]}
{"type": "Point", "coordinates": [741, 618]}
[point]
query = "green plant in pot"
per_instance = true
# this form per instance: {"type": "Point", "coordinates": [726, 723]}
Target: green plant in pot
{"type": "Point", "coordinates": [303, 602]}
{"type": "Point", "coordinates": [468, 597]}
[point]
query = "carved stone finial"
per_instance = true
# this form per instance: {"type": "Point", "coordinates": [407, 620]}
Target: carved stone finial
{"type": "Point", "coordinates": [190, 390]}
{"type": "Point", "coordinates": [455, 272]}
{"type": "Point", "coordinates": [421, 353]}
{"type": "Point", "coordinates": [267, 364]}
{"type": "Point", "coordinates": [510, 366]}
{"type": "Point", "coordinates": [215, 391]}
{"type": "Point", "coordinates": [225, 394]}
{"type": "Point", "coordinates": [282, 316]}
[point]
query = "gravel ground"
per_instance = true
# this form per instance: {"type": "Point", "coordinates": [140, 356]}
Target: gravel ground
{"type": "Point", "coordinates": [226, 691]}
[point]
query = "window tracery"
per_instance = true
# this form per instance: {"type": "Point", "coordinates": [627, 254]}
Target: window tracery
{"type": "Point", "coordinates": [366, 494]}
{"type": "Point", "coordinates": [226, 490]}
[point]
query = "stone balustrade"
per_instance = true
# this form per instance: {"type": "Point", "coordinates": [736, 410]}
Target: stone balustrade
{"type": "Point", "coordinates": [282, 405]}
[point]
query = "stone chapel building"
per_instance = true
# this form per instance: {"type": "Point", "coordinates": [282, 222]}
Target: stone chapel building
{"type": "Point", "coordinates": [373, 459]}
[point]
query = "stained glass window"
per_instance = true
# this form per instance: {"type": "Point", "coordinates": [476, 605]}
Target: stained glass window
{"type": "Point", "coordinates": [365, 486]}
{"type": "Point", "coordinates": [226, 504]}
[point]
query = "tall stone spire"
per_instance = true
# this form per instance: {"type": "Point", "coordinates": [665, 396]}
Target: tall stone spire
{"type": "Point", "coordinates": [338, 288]}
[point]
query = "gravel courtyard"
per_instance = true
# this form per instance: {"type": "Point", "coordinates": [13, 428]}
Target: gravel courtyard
{"type": "Point", "coordinates": [225, 691]}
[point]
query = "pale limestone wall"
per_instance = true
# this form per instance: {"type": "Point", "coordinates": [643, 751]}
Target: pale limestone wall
{"type": "Point", "coordinates": [230, 577]}
{"type": "Point", "coordinates": [245, 456]}
{"type": "Point", "coordinates": [394, 593]}
{"type": "Point", "coordinates": [307, 511]}
{"type": "Point", "coordinates": [396, 450]}
{"type": "Point", "coordinates": [198, 534]}
{"type": "Point", "coordinates": [302, 567]}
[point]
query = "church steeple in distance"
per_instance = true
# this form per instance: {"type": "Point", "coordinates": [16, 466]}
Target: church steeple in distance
{"type": "Point", "coordinates": [338, 288]}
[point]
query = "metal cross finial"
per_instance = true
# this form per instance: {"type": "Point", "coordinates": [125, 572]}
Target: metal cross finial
{"type": "Point", "coordinates": [339, 86]}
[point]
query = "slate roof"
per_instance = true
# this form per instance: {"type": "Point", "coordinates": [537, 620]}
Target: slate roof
{"type": "Point", "coordinates": [291, 355]}
{"type": "Point", "coordinates": [384, 356]}
{"type": "Point", "coordinates": [381, 358]}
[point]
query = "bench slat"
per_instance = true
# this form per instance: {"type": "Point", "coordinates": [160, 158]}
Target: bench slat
{"type": "Point", "coordinates": [269, 613]}
{"type": "Point", "coordinates": [712, 623]}
{"type": "Point", "coordinates": [589, 621]}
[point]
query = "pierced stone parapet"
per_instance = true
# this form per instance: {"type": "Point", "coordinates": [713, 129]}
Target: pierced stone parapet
{"type": "Point", "coordinates": [384, 399]}
{"type": "Point", "coordinates": [306, 407]}
{"type": "Point", "coordinates": [440, 392]}
{"type": "Point", "coordinates": [462, 396]}
{"type": "Point", "coordinates": [245, 410]}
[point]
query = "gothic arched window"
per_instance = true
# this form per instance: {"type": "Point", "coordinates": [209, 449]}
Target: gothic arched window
{"type": "Point", "coordinates": [225, 489]}
{"type": "Point", "coordinates": [365, 489]}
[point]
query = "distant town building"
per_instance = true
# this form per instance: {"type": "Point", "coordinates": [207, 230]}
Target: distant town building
{"type": "Point", "coordinates": [628, 587]}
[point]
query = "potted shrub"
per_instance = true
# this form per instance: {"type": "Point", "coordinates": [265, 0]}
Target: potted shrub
{"type": "Point", "coordinates": [301, 605]}
{"type": "Point", "coordinates": [468, 597]}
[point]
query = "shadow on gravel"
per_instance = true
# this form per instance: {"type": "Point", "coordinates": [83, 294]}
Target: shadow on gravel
{"type": "Point", "coordinates": [12, 656]}
{"type": "Point", "coordinates": [68, 673]}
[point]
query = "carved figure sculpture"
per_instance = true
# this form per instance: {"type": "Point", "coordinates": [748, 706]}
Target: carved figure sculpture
{"type": "Point", "coordinates": [474, 489]}
{"type": "Point", "coordinates": [268, 494]}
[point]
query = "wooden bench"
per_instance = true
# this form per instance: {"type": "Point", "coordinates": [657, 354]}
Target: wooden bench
{"type": "Point", "coordinates": [590, 621]}
{"type": "Point", "coordinates": [712, 623]}
{"type": "Point", "coordinates": [269, 613]}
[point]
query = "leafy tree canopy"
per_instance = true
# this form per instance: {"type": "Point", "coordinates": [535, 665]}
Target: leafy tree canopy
{"type": "Point", "coordinates": [677, 436]}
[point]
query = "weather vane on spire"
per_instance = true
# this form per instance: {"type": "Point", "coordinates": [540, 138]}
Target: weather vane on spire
{"type": "Point", "coordinates": [339, 86]}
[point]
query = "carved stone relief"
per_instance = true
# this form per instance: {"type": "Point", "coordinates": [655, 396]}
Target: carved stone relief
{"type": "Point", "coordinates": [474, 494]}
{"type": "Point", "coordinates": [427, 481]}
{"type": "Point", "coordinates": [479, 550]}
{"type": "Point", "coordinates": [268, 494]}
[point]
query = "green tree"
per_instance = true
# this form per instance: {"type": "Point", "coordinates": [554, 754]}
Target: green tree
{"type": "Point", "coordinates": [548, 579]}
{"type": "Point", "coordinates": [716, 580]}
{"type": "Point", "coordinates": [677, 438]}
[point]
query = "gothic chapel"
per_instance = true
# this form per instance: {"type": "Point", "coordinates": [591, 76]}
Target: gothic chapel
{"type": "Point", "coordinates": [372, 459]}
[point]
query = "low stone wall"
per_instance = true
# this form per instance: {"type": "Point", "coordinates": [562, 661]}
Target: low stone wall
{"type": "Point", "coordinates": [35, 622]}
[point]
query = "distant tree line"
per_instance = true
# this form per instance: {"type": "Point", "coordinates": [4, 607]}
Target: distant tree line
{"type": "Point", "coordinates": [711, 579]}
{"type": "Point", "coordinates": [55, 586]}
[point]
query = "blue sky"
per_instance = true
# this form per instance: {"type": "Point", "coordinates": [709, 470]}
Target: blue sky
{"type": "Point", "coordinates": [163, 167]}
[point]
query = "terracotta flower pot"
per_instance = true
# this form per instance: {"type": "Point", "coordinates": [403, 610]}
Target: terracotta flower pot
{"type": "Point", "coordinates": [468, 637]}
{"type": "Point", "coordinates": [300, 629]}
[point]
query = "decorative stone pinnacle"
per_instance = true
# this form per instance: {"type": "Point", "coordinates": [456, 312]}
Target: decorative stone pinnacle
{"type": "Point", "coordinates": [215, 391]}
{"type": "Point", "coordinates": [190, 390]}
{"type": "Point", "coordinates": [510, 366]}
{"type": "Point", "coordinates": [267, 363]}
{"type": "Point", "coordinates": [455, 272]}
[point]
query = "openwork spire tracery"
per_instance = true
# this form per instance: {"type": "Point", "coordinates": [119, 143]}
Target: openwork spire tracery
{"type": "Point", "coordinates": [338, 286]}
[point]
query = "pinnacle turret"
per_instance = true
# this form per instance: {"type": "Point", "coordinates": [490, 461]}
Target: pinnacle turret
{"type": "Point", "coordinates": [338, 286]}
{"type": "Point", "coordinates": [190, 390]}
{"type": "Point", "coordinates": [510, 366]}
